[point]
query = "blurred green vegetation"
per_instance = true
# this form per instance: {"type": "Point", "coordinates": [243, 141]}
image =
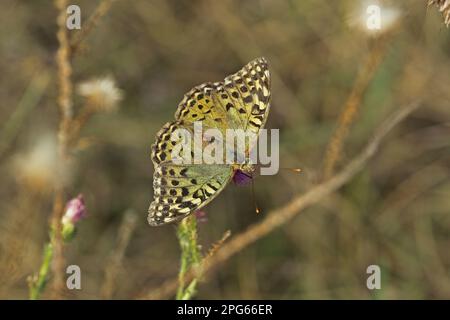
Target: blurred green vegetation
{"type": "Point", "coordinates": [395, 214]}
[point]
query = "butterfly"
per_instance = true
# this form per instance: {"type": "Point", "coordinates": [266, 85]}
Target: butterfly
{"type": "Point", "coordinates": [240, 101]}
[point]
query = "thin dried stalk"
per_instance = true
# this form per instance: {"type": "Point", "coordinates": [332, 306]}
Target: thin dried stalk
{"type": "Point", "coordinates": [91, 23]}
{"type": "Point", "coordinates": [216, 246]}
{"type": "Point", "coordinates": [66, 113]}
{"type": "Point", "coordinates": [283, 215]}
{"type": "Point", "coordinates": [68, 132]}
{"type": "Point", "coordinates": [352, 105]}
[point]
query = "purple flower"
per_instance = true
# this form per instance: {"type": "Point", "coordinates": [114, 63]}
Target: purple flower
{"type": "Point", "coordinates": [241, 178]}
{"type": "Point", "coordinates": [75, 210]}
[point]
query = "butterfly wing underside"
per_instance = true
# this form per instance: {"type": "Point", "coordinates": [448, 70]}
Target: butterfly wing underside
{"type": "Point", "coordinates": [241, 101]}
{"type": "Point", "coordinates": [180, 189]}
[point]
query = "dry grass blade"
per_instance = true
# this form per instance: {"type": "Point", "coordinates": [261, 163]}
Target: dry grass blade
{"type": "Point", "coordinates": [30, 99]}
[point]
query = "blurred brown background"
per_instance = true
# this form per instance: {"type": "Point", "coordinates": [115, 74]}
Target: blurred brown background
{"type": "Point", "coordinates": [394, 214]}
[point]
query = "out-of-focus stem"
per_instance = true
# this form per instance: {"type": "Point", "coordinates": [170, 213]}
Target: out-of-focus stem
{"type": "Point", "coordinates": [64, 69]}
{"type": "Point", "coordinates": [190, 256]}
{"type": "Point", "coordinates": [352, 106]}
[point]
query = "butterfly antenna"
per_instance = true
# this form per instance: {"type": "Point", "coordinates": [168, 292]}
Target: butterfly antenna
{"type": "Point", "coordinates": [254, 198]}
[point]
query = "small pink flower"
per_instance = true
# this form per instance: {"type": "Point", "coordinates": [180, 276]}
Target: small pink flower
{"type": "Point", "coordinates": [201, 216]}
{"type": "Point", "coordinates": [75, 210]}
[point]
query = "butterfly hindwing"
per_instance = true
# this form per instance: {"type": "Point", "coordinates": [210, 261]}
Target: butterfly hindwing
{"type": "Point", "coordinates": [181, 189]}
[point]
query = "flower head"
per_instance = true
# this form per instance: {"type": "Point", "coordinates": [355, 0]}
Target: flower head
{"type": "Point", "coordinates": [75, 210]}
{"type": "Point", "coordinates": [201, 216]}
{"type": "Point", "coordinates": [101, 93]}
{"type": "Point", "coordinates": [240, 178]}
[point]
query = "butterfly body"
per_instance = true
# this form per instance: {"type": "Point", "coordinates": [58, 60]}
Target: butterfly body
{"type": "Point", "coordinates": [240, 101]}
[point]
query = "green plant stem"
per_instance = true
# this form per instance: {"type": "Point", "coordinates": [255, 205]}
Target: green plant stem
{"type": "Point", "coordinates": [38, 285]}
{"type": "Point", "coordinates": [190, 256]}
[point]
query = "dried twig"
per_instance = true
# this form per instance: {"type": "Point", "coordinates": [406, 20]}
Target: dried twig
{"type": "Point", "coordinates": [216, 246]}
{"type": "Point", "coordinates": [281, 216]}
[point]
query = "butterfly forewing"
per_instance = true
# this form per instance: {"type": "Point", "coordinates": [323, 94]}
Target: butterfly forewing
{"type": "Point", "coordinates": [241, 101]}
{"type": "Point", "coordinates": [199, 105]}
